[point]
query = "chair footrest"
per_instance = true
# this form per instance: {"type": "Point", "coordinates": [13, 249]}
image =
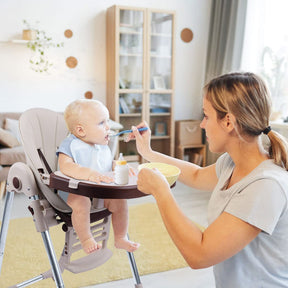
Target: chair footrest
{"type": "Point", "coordinates": [90, 261]}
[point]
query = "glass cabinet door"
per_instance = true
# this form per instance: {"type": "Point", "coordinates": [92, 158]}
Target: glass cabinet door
{"type": "Point", "coordinates": [160, 51]}
{"type": "Point", "coordinates": [131, 49]}
{"type": "Point", "coordinates": [140, 68]}
{"type": "Point", "coordinates": [161, 30]}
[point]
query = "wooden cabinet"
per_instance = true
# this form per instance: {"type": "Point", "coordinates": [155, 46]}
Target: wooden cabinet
{"type": "Point", "coordinates": [140, 69]}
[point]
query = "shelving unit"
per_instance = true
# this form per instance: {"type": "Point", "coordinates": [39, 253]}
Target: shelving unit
{"type": "Point", "coordinates": [189, 144]}
{"type": "Point", "coordinates": [195, 153]}
{"type": "Point", "coordinates": [140, 69]}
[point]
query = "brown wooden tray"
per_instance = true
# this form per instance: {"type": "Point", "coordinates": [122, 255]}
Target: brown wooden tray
{"type": "Point", "coordinates": [94, 190]}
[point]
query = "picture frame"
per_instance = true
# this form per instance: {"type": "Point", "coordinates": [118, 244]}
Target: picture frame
{"type": "Point", "coordinates": [159, 82]}
{"type": "Point", "coordinates": [160, 129]}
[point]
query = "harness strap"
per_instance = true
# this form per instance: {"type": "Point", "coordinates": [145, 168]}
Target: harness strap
{"type": "Point", "coordinates": [42, 157]}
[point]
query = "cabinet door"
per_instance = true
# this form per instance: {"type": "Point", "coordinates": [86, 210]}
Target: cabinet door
{"type": "Point", "coordinates": [140, 51]}
{"type": "Point", "coordinates": [131, 73]}
{"type": "Point", "coordinates": [160, 71]}
{"type": "Point", "coordinates": [161, 50]}
{"type": "Point", "coordinates": [131, 49]}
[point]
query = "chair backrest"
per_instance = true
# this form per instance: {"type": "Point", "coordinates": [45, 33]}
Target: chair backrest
{"type": "Point", "coordinates": [43, 130]}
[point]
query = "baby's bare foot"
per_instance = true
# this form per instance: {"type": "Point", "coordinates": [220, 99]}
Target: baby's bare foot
{"type": "Point", "coordinates": [124, 243]}
{"type": "Point", "coordinates": [90, 245]}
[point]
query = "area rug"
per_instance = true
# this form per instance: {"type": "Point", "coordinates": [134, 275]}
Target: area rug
{"type": "Point", "coordinates": [25, 255]}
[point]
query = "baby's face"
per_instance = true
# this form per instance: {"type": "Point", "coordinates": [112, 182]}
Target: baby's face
{"type": "Point", "coordinates": [95, 124]}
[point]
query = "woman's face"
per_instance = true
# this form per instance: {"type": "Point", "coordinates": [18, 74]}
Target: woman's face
{"type": "Point", "coordinates": [216, 134]}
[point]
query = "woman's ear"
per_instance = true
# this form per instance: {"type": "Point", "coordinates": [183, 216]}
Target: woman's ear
{"type": "Point", "coordinates": [80, 131]}
{"type": "Point", "coordinates": [230, 122]}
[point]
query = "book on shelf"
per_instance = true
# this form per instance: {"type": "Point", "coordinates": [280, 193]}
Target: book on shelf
{"type": "Point", "coordinates": [186, 157]}
{"type": "Point", "coordinates": [197, 158]}
{"type": "Point", "coordinates": [124, 106]}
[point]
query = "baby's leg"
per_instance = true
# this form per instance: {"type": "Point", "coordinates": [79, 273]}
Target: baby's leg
{"type": "Point", "coordinates": [81, 221]}
{"type": "Point", "coordinates": [119, 210]}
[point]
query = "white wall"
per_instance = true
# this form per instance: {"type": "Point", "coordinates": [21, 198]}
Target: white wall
{"type": "Point", "coordinates": [21, 88]}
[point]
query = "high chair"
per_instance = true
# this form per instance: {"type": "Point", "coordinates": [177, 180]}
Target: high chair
{"type": "Point", "coordinates": [42, 131]}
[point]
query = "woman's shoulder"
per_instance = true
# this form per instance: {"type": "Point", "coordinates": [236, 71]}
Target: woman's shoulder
{"type": "Point", "coordinates": [270, 170]}
{"type": "Point", "coordinates": [266, 180]}
{"type": "Point", "coordinates": [269, 167]}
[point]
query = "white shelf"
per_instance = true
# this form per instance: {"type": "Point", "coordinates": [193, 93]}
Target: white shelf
{"type": "Point", "coordinates": [20, 41]}
{"type": "Point", "coordinates": [15, 41]}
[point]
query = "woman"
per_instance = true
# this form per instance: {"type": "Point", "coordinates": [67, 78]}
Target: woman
{"type": "Point", "coordinates": [246, 239]}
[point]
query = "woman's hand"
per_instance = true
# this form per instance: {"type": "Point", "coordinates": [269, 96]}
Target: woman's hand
{"type": "Point", "coordinates": [151, 181]}
{"type": "Point", "coordinates": [143, 139]}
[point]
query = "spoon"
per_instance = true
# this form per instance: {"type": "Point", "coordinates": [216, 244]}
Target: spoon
{"type": "Point", "coordinates": [127, 131]}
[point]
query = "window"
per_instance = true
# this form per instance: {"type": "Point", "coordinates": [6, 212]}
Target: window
{"type": "Point", "coordinates": [265, 49]}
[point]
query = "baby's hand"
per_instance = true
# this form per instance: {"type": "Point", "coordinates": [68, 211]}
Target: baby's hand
{"type": "Point", "coordinates": [97, 177]}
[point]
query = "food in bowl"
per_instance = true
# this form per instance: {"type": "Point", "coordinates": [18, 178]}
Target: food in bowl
{"type": "Point", "coordinates": [169, 171]}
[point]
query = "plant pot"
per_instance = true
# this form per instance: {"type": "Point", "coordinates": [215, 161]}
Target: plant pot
{"type": "Point", "coordinates": [29, 34]}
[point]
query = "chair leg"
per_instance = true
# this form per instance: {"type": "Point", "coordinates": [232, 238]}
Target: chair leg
{"type": "Point", "coordinates": [56, 272]}
{"type": "Point", "coordinates": [134, 269]}
{"type": "Point", "coordinates": [28, 282]}
{"type": "Point", "coordinates": [2, 189]}
{"type": "Point", "coordinates": [53, 260]}
{"type": "Point", "coordinates": [5, 224]}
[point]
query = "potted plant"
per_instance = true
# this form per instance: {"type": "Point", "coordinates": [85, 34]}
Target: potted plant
{"type": "Point", "coordinates": [39, 60]}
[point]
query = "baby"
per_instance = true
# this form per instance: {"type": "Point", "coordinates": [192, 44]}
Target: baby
{"type": "Point", "coordinates": [85, 155]}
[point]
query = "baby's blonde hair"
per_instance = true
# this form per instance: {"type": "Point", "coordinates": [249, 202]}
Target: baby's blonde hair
{"type": "Point", "coordinates": [74, 111]}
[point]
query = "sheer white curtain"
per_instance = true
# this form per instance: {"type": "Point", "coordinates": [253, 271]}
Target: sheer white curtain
{"type": "Point", "coordinates": [265, 49]}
